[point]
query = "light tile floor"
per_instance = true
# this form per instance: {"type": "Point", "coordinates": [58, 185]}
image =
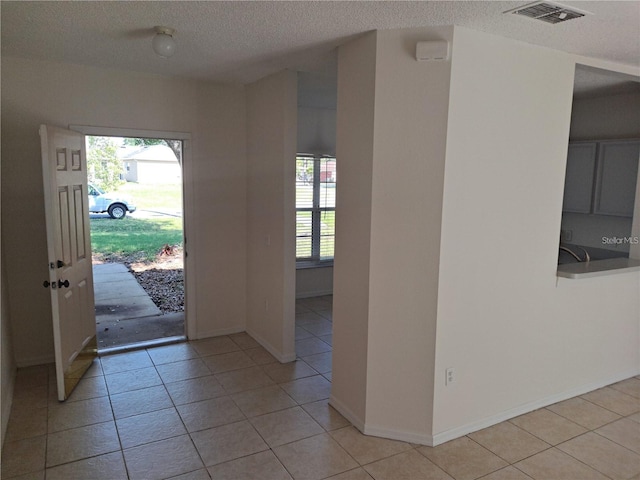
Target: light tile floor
{"type": "Point", "coordinates": [223, 408]}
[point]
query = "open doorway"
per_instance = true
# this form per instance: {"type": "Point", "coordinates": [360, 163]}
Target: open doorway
{"type": "Point", "coordinates": [603, 171]}
{"type": "Point", "coordinates": [137, 232]}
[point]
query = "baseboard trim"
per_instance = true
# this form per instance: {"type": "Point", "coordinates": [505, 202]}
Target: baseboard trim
{"type": "Point", "coordinates": [376, 431]}
{"type": "Point", "coordinates": [33, 361]}
{"type": "Point", "coordinates": [315, 293]}
{"type": "Point", "coordinates": [462, 430]}
{"type": "Point", "coordinates": [281, 357]}
{"type": "Point", "coordinates": [7, 403]}
{"type": "Point", "coordinates": [347, 413]}
{"type": "Point", "coordinates": [218, 332]}
{"type": "Point", "coordinates": [404, 436]}
{"type": "Point", "coordinates": [448, 435]}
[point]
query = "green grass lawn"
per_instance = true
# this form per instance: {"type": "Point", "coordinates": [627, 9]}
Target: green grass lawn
{"type": "Point", "coordinates": [129, 236]}
{"type": "Point", "coordinates": [138, 237]}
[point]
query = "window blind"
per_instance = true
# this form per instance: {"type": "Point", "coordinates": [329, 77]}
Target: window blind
{"type": "Point", "coordinates": [315, 208]}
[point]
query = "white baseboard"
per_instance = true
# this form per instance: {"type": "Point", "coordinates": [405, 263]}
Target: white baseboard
{"type": "Point", "coordinates": [376, 431]}
{"type": "Point", "coordinates": [462, 430]}
{"type": "Point", "coordinates": [347, 413]}
{"type": "Point", "coordinates": [314, 293]}
{"type": "Point", "coordinates": [7, 403]}
{"type": "Point", "coordinates": [217, 332]}
{"type": "Point", "coordinates": [443, 437]}
{"type": "Point", "coordinates": [404, 436]}
{"type": "Point", "coordinates": [281, 357]}
{"type": "Point", "coordinates": [33, 361]}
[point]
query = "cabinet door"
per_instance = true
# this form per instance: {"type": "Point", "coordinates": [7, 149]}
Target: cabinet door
{"type": "Point", "coordinates": [616, 178]}
{"type": "Point", "coordinates": [578, 181]}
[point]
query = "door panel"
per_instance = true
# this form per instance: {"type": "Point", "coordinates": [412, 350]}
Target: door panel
{"type": "Point", "coordinates": [62, 228]}
{"type": "Point", "coordinates": [80, 202]}
{"type": "Point", "coordinates": [69, 251]}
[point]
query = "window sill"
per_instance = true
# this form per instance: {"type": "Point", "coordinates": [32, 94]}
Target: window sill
{"type": "Point", "coordinates": [598, 268]}
{"type": "Point", "coordinates": [305, 265]}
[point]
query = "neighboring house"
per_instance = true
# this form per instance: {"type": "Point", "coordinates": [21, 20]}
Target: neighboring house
{"type": "Point", "coordinates": [328, 172]}
{"type": "Point", "coordinates": [150, 164]}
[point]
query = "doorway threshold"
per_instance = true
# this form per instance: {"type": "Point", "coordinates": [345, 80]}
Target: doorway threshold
{"type": "Point", "coordinates": [159, 342]}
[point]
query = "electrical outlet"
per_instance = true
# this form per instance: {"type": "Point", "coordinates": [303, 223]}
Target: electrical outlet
{"type": "Point", "coordinates": [450, 376]}
{"type": "Point", "coordinates": [566, 235]}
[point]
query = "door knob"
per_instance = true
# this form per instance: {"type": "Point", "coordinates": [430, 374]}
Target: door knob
{"type": "Point", "coordinates": [64, 284]}
{"type": "Point", "coordinates": [46, 284]}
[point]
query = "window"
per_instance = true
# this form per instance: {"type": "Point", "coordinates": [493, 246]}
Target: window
{"type": "Point", "coordinates": [315, 209]}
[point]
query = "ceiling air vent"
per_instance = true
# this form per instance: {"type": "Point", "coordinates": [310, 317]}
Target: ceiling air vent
{"type": "Point", "coordinates": [548, 12]}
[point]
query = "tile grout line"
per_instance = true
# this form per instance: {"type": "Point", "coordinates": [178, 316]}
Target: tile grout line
{"type": "Point", "coordinates": [175, 408]}
{"type": "Point", "coordinates": [115, 423]}
{"type": "Point", "coordinates": [325, 430]}
{"type": "Point", "coordinates": [616, 443]}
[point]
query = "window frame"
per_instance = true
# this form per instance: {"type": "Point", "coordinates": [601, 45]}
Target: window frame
{"type": "Point", "coordinates": [315, 260]}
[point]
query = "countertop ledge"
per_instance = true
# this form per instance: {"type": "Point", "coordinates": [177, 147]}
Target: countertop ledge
{"type": "Point", "coordinates": [598, 268]}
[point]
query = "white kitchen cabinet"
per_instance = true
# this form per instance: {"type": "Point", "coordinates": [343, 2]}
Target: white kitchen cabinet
{"type": "Point", "coordinates": [601, 177]}
{"type": "Point", "coordinates": [616, 177]}
{"type": "Point", "coordinates": [580, 175]}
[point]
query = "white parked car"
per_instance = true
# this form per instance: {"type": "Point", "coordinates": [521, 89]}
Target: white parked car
{"type": "Point", "coordinates": [100, 202]}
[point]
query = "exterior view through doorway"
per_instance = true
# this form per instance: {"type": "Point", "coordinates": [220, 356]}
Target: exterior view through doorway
{"type": "Point", "coordinates": [136, 219]}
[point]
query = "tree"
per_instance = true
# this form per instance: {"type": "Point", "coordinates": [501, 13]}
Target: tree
{"type": "Point", "coordinates": [103, 165]}
{"type": "Point", "coordinates": [174, 145]}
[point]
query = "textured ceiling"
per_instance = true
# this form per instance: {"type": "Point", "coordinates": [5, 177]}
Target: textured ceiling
{"type": "Point", "coordinates": [242, 41]}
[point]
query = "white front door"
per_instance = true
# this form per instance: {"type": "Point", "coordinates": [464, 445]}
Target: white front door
{"type": "Point", "coordinates": [69, 250]}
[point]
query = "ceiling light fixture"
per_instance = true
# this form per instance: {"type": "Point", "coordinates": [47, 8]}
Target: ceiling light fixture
{"type": "Point", "coordinates": [163, 42]}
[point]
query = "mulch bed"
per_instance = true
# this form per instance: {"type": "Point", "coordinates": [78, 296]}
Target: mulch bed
{"type": "Point", "coordinates": [164, 286]}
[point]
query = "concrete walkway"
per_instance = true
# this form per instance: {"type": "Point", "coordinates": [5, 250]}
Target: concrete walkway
{"type": "Point", "coordinates": [119, 295]}
{"type": "Point", "coordinates": [125, 314]}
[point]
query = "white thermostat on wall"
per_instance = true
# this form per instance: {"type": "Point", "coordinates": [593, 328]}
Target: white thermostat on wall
{"type": "Point", "coordinates": [432, 50]}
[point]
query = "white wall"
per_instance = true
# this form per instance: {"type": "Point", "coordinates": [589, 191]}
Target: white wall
{"type": "Point", "coordinates": [317, 130]}
{"type": "Point", "coordinates": [392, 119]}
{"type": "Point", "coordinates": [35, 92]}
{"type": "Point", "coordinates": [517, 337]}
{"type": "Point", "coordinates": [447, 241]}
{"type": "Point", "coordinates": [314, 282]}
{"type": "Point", "coordinates": [271, 150]}
{"type": "Point", "coordinates": [355, 135]}
{"type": "Point", "coordinates": [412, 99]}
